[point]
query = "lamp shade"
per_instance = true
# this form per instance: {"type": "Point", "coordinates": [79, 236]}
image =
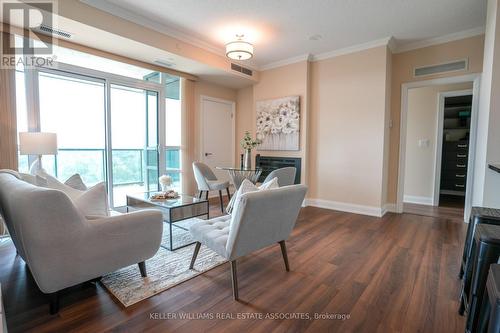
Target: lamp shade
{"type": "Point", "coordinates": [37, 143]}
{"type": "Point", "coordinates": [239, 50]}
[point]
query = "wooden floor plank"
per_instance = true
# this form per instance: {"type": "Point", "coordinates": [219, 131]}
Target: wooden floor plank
{"type": "Point", "coordinates": [392, 274]}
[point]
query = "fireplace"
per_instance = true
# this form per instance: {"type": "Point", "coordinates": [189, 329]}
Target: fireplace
{"type": "Point", "coordinates": [270, 163]}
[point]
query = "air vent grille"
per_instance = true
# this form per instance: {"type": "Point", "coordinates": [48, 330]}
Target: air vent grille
{"type": "Point", "coordinates": [54, 32]}
{"type": "Point", "coordinates": [241, 69]}
{"type": "Point", "coordinates": [453, 66]}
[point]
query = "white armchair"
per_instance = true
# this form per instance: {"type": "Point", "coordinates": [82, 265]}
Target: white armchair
{"type": "Point", "coordinates": [62, 248]}
{"type": "Point", "coordinates": [261, 219]}
{"type": "Point", "coordinates": [207, 181]}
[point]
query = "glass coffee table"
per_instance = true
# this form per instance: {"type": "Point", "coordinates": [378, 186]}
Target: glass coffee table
{"type": "Point", "coordinates": [174, 210]}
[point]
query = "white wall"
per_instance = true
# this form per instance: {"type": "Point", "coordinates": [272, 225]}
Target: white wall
{"type": "Point", "coordinates": [422, 121]}
{"type": "Point", "coordinates": [487, 182]}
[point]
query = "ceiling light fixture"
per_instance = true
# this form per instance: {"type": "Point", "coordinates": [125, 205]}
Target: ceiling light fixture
{"type": "Point", "coordinates": [239, 49]}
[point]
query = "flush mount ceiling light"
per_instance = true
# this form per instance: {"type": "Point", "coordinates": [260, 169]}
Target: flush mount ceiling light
{"type": "Point", "coordinates": [239, 49]}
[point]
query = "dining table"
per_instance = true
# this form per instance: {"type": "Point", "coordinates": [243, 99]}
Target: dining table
{"type": "Point", "coordinates": [238, 175]}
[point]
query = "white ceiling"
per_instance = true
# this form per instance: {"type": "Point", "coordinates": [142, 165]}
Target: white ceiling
{"type": "Point", "coordinates": [282, 29]}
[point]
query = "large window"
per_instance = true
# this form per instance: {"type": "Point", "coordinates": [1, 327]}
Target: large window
{"type": "Point", "coordinates": [107, 125]}
{"type": "Point", "coordinates": [173, 129]}
{"type": "Point", "coordinates": [73, 107]}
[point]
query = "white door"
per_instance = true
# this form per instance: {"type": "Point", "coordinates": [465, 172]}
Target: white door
{"type": "Point", "coordinates": [218, 134]}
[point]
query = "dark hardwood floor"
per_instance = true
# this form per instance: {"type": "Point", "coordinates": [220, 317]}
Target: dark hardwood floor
{"type": "Point", "coordinates": [435, 211]}
{"type": "Point", "coordinates": [392, 274]}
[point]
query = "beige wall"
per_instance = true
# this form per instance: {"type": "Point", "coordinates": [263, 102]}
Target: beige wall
{"type": "Point", "coordinates": [290, 80]}
{"type": "Point", "coordinates": [402, 68]}
{"type": "Point", "coordinates": [244, 118]}
{"type": "Point", "coordinates": [422, 121]}
{"type": "Point", "coordinates": [8, 133]}
{"type": "Point", "coordinates": [345, 107]}
{"type": "Point", "coordinates": [193, 116]}
{"type": "Point", "coordinates": [348, 107]}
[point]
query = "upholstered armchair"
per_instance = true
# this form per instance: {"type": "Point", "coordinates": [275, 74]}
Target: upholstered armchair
{"type": "Point", "coordinates": [62, 248]}
{"type": "Point", "coordinates": [207, 181]}
{"type": "Point", "coordinates": [262, 218]}
{"type": "Point", "coordinates": [286, 176]}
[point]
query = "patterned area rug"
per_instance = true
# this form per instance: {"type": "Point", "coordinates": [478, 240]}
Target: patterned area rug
{"type": "Point", "coordinates": [165, 270]}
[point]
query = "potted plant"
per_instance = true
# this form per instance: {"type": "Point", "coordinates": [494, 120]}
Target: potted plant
{"type": "Point", "coordinates": [247, 143]}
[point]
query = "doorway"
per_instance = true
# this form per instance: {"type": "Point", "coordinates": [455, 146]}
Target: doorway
{"type": "Point", "coordinates": [455, 109]}
{"type": "Point", "coordinates": [438, 122]}
{"type": "Point", "coordinates": [218, 134]}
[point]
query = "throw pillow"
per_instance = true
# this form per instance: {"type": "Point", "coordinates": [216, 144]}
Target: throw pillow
{"type": "Point", "coordinates": [247, 186]}
{"type": "Point", "coordinates": [33, 180]}
{"type": "Point", "coordinates": [76, 182]}
{"type": "Point", "coordinates": [93, 201]}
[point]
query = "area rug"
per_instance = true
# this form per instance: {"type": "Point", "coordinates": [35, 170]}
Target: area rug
{"type": "Point", "coordinates": [165, 270]}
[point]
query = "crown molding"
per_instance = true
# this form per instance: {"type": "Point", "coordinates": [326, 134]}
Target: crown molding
{"type": "Point", "coordinates": [284, 62]}
{"type": "Point", "coordinates": [154, 25]}
{"type": "Point", "coordinates": [439, 40]}
{"type": "Point", "coordinates": [388, 41]}
{"type": "Point", "coordinates": [352, 49]}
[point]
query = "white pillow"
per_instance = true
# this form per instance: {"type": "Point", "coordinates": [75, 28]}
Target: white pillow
{"type": "Point", "coordinates": [92, 202]}
{"type": "Point", "coordinates": [33, 180]}
{"type": "Point", "coordinates": [247, 186]}
{"type": "Point", "coordinates": [76, 182]}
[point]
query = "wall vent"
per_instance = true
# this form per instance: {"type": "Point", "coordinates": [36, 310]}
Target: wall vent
{"type": "Point", "coordinates": [48, 30]}
{"type": "Point", "coordinates": [453, 66]}
{"type": "Point", "coordinates": [241, 69]}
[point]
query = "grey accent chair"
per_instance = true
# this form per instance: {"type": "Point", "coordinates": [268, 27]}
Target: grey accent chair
{"type": "Point", "coordinates": [286, 176]}
{"type": "Point", "coordinates": [262, 218]}
{"type": "Point", "coordinates": [62, 248]}
{"type": "Point", "coordinates": [207, 181]}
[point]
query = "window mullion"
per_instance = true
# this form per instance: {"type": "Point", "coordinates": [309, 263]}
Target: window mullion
{"type": "Point", "coordinates": [32, 104]}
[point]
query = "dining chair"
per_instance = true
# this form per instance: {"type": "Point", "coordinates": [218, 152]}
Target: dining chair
{"type": "Point", "coordinates": [261, 219]}
{"type": "Point", "coordinates": [207, 181]}
{"type": "Point", "coordinates": [286, 176]}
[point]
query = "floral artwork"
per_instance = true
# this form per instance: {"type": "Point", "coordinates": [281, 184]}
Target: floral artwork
{"type": "Point", "coordinates": [278, 123]}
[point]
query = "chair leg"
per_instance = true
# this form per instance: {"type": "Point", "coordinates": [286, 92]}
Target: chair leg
{"type": "Point", "coordinates": [221, 202]}
{"type": "Point", "coordinates": [285, 256]}
{"type": "Point", "coordinates": [228, 193]}
{"type": "Point", "coordinates": [54, 303]}
{"type": "Point", "coordinates": [195, 254]}
{"type": "Point", "coordinates": [234, 279]}
{"type": "Point", "coordinates": [142, 268]}
{"type": "Point", "coordinates": [199, 195]}
{"type": "Point", "coordinates": [206, 195]}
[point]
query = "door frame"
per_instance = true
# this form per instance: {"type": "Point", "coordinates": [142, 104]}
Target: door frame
{"type": "Point", "coordinates": [203, 99]}
{"type": "Point", "coordinates": [439, 138]}
{"type": "Point", "coordinates": [475, 79]}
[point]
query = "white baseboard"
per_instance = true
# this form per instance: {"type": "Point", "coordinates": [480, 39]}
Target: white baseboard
{"type": "Point", "coordinates": [390, 208]}
{"type": "Point", "coordinates": [346, 207]}
{"type": "Point", "coordinates": [418, 200]}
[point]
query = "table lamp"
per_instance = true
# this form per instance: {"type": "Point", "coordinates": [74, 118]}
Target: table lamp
{"type": "Point", "coordinates": [37, 143]}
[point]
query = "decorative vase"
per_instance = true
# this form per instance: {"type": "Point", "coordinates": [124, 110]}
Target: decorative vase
{"type": "Point", "coordinates": [247, 159]}
{"type": "Point", "coordinates": [164, 187]}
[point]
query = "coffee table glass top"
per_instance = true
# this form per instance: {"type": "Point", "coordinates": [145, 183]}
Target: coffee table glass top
{"type": "Point", "coordinates": [182, 200]}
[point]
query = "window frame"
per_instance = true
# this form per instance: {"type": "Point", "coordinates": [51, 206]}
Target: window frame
{"type": "Point", "coordinates": [33, 109]}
